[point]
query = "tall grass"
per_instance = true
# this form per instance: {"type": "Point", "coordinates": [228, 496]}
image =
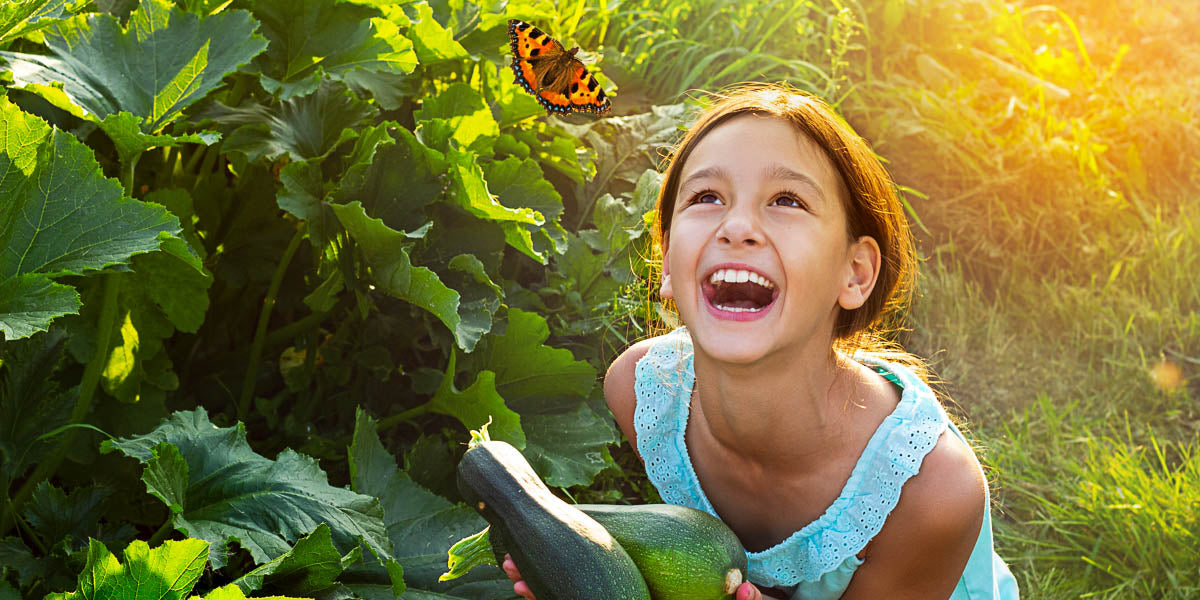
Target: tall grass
{"type": "Point", "coordinates": [1053, 151]}
{"type": "Point", "coordinates": [660, 50]}
{"type": "Point", "coordinates": [1092, 451]}
{"type": "Point", "coordinates": [1069, 336]}
{"type": "Point", "coordinates": [1091, 509]}
{"type": "Point", "coordinates": [1029, 148]}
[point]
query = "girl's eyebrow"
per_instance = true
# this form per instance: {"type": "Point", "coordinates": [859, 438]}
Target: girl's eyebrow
{"type": "Point", "coordinates": [772, 171]}
{"type": "Point", "coordinates": [778, 171]}
{"type": "Point", "coordinates": [713, 172]}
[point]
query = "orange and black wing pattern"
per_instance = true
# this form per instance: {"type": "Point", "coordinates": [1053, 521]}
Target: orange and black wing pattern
{"type": "Point", "coordinates": [552, 74]}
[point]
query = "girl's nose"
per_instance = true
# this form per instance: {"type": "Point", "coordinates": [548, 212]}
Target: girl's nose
{"type": "Point", "coordinates": [738, 228]}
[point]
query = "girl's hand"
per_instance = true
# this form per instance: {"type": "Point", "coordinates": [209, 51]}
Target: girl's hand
{"type": "Point", "coordinates": [520, 588]}
{"type": "Point", "coordinates": [747, 591]}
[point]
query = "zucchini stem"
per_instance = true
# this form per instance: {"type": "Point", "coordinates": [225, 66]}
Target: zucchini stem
{"type": "Point", "coordinates": [264, 318]}
{"type": "Point", "coordinates": [733, 580]}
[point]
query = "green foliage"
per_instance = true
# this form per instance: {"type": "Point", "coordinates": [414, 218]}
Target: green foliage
{"type": "Point", "coordinates": [1091, 355]}
{"type": "Point", "coordinates": [219, 490]}
{"type": "Point", "coordinates": [340, 231]}
{"type": "Point", "coordinates": [61, 217]}
{"type": "Point", "coordinates": [310, 568]}
{"type": "Point", "coordinates": [21, 18]}
{"type": "Point", "coordinates": [1118, 513]}
{"type": "Point", "coordinates": [168, 571]}
{"type": "Point", "coordinates": [420, 524]}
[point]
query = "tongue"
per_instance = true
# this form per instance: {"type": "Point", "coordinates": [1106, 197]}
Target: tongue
{"type": "Point", "coordinates": [741, 295]}
{"type": "Point", "coordinates": [741, 304]}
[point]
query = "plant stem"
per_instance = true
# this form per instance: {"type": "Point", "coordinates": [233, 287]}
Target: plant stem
{"type": "Point", "coordinates": [127, 174]}
{"type": "Point", "coordinates": [162, 533]}
{"type": "Point", "coordinates": [11, 513]}
{"type": "Point", "coordinates": [291, 330]}
{"type": "Point", "coordinates": [83, 404]}
{"type": "Point", "coordinates": [239, 90]}
{"type": "Point", "coordinates": [111, 285]}
{"type": "Point", "coordinates": [264, 318]}
{"type": "Point", "coordinates": [189, 167]}
{"type": "Point", "coordinates": [407, 415]}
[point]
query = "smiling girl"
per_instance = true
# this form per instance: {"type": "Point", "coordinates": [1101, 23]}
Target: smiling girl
{"type": "Point", "coordinates": [777, 408]}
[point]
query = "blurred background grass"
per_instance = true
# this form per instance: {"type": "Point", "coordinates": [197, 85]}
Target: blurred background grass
{"type": "Point", "coordinates": [1049, 153]}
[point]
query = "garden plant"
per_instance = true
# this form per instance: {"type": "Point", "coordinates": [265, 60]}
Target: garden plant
{"type": "Point", "coordinates": [264, 264]}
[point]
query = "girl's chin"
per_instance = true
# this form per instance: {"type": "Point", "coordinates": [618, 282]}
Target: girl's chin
{"type": "Point", "coordinates": [733, 352]}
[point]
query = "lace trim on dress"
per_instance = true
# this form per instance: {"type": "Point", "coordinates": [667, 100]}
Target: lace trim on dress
{"type": "Point", "coordinates": [663, 385]}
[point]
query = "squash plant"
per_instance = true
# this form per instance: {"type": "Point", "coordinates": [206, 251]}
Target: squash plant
{"type": "Point", "coordinates": [264, 263]}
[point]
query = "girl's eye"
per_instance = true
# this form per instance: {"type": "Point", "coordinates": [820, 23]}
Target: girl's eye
{"type": "Point", "coordinates": [790, 201]}
{"type": "Point", "coordinates": [705, 198]}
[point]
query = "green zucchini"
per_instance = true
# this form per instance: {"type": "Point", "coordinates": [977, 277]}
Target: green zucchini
{"type": "Point", "coordinates": [562, 553]}
{"type": "Point", "coordinates": [683, 553]}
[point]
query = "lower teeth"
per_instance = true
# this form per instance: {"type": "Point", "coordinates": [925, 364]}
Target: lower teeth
{"type": "Point", "coordinates": [737, 309]}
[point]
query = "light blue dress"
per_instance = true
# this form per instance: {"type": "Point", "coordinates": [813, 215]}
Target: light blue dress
{"type": "Point", "coordinates": [816, 562]}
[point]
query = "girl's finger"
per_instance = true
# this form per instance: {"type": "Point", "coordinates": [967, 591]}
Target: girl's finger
{"type": "Point", "coordinates": [748, 591]}
{"type": "Point", "coordinates": [510, 568]}
{"type": "Point", "coordinates": [521, 588]}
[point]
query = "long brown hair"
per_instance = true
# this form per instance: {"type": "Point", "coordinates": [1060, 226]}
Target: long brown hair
{"type": "Point", "coordinates": [869, 198]}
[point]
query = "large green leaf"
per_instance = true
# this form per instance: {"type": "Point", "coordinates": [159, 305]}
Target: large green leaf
{"type": "Point", "coordinates": [466, 113]}
{"type": "Point", "coordinates": [58, 516]}
{"type": "Point", "coordinates": [16, 557]}
{"type": "Point", "coordinates": [135, 80]}
{"type": "Point", "coordinates": [394, 176]}
{"type": "Point", "coordinates": [432, 42]}
{"type": "Point", "coordinates": [163, 61]}
{"type": "Point", "coordinates": [469, 190]}
{"type": "Point", "coordinates": [30, 404]}
{"type": "Point", "coordinates": [548, 388]}
{"type": "Point", "coordinates": [479, 297]}
{"type": "Point", "coordinates": [176, 282]}
{"type": "Point", "coordinates": [569, 447]}
{"type": "Point", "coordinates": [304, 127]}
{"type": "Point", "coordinates": [529, 371]}
{"type": "Point", "coordinates": [167, 572]}
{"type": "Point", "coordinates": [59, 215]}
{"type": "Point", "coordinates": [220, 490]}
{"type": "Point", "coordinates": [520, 182]}
{"type": "Point", "coordinates": [478, 405]}
{"type": "Point", "coordinates": [22, 17]}
{"type": "Point", "coordinates": [137, 368]}
{"type": "Point", "coordinates": [310, 38]}
{"type": "Point", "coordinates": [421, 524]}
{"type": "Point", "coordinates": [393, 271]}
{"type": "Point", "coordinates": [233, 592]}
{"type": "Point", "coordinates": [308, 569]}
{"type": "Point", "coordinates": [625, 147]}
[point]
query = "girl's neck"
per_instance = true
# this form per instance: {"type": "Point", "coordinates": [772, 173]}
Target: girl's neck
{"type": "Point", "coordinates": [786, 417]}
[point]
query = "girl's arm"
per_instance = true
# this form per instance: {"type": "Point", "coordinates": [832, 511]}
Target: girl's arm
{"type": "Point", "coordinates": [619, 391]}
{"type": "Point", "coordinates": [924, 545]}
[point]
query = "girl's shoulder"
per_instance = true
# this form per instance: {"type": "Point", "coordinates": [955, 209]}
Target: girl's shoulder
{"type": "Point", "coordinates": [620, 382]}
{"type": "Point", "coordinates": [942, 509]}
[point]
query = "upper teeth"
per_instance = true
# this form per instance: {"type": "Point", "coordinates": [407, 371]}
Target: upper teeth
{"type": "Point", "coordinates": [739, 276]}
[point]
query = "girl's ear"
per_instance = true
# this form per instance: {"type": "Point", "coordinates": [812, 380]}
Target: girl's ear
{"type": "Point", "coordinates": [665, 290]}
{"type": "Point", "coordinates": [862, 274]}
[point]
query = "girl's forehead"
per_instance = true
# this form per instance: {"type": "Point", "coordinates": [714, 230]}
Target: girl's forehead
{"type": "Point", "coordinates": [759, 141]}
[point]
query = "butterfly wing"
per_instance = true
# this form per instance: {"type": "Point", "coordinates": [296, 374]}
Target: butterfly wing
{"type": "Point", "coordinates": [582, 93]}
{"type": "Point", "coordinates": [531, 48]}
{"type": "Point", "coordinates": [558, 80]}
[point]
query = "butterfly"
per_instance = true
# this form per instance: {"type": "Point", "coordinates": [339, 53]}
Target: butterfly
{"type": "Point", "coordinates": [552, 74]}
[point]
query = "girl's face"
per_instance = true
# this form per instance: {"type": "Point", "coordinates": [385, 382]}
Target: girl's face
{"type": "Point", "coordinates": [757, 258]}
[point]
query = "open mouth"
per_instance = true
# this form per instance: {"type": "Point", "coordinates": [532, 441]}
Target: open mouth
{"type": "Point", "coordinates": [739, 291]}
